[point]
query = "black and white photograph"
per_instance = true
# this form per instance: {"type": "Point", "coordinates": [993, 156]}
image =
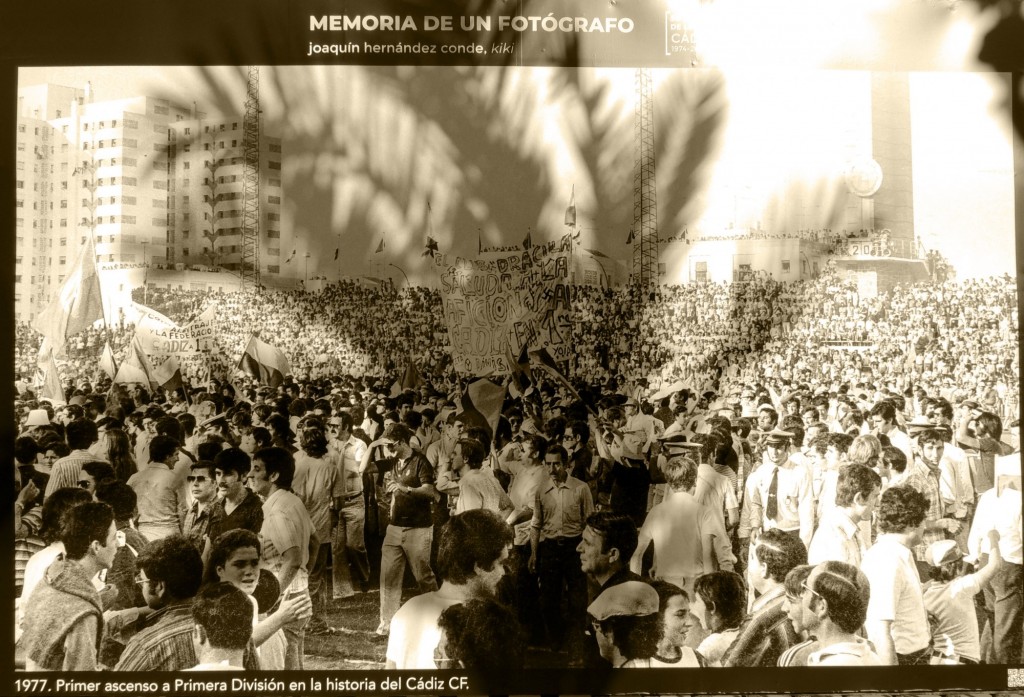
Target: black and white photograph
{"type": "Point", "coordinates": [674, 335]}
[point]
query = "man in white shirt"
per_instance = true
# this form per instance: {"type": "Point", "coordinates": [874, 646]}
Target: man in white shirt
{"type": "Point", "coordinates": [897, 623]}
{"type": "Point", "coordinates": [782, 497]}
{"type": "Point", "coordinates": [838, 535]}
{"type": "Point", "coordinates": [351, 568]}
{"type": "Point", "coordinates": [471, 560]}
{"type": "Point", "coordinates": [835, 602]}
{"type": "Point", "coordinates": [999, 509]}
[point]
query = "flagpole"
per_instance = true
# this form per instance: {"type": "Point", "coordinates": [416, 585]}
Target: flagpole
{"type": "Point", "coordinates": [91, 168]}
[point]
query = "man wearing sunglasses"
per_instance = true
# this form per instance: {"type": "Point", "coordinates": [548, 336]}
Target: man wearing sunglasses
{"type": "Point", "coordinates": [200, 517]}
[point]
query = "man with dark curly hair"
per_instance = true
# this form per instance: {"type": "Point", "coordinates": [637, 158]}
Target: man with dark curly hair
{"type": "Point", "coordinates": [897, 622]}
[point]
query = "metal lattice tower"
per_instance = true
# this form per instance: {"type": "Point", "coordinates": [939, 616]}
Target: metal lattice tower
{"type": "Point", "coordinates": [250, 270]}
{"type": "Point", "coordinates": [645, 195]}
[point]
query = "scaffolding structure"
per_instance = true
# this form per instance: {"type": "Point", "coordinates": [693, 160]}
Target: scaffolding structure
{"type": "Point", "coordinates": [645, 195]}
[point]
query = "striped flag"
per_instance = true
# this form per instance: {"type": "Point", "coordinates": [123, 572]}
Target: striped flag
{"type": "Point", "coordinates": [481, 404]}
{"type": "Point", "coordinates": [265, 362]}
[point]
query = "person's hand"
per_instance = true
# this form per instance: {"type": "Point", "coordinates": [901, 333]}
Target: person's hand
{"type": "Point", "coordinates": [531, 564]}
{"type": "Point", "coordinates": [28, 493]}
{"type": "Point", "coordinates": [953, 526]}
{"type": "Point", "coordinates": [297, 607]}
{"type": "Point", "coordinates": [993, 538]}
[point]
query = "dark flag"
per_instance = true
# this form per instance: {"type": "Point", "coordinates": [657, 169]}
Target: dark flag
{"type": "Point", "coordinates": [481, 404]}
{"type": "Point", "coordinates": [431, 247]}
{"type": "Point", "coordinates": [632, 236]}
{"type": "Point", "coordinates": [543, 360]}
{"type": "Point", "coordinates": [522, 376]}
{"type": "Point", "coordinates": [380, 247]}
{"type": "Point", "coordinates": [264, 362]}
{"type": "Point", "coordinates": [336, 250]}
{"type": "Point", "coordinates": [528, 240]}
{"type": "Point", "coordinates": [288, 260]}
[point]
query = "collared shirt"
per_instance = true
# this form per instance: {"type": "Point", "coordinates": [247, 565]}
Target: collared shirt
{"type": "Point", "coordinates": [955, 481]}
{"type": "Point", "coordinates": [286, 525]}
{"type": "Point", "coordinates": [561, 510]}
{"type": "Point", "coordinates": [408, 510]}
{"type": "Point", "coordinates": [847, 653]}
{"type": "Point", "coordinates": [1001, 512]}
{"type": "Point", "coordinates": [66, 471]}
{"type": "Point", "coordinates": [196, 522]}
{"type": "Point", "coordinates": [836, 539]}
{"type": "Point", "coordinates": [896, 593]}
{"type": "Point", "coordinates": [794, 495]}
{"type": "Point", "coordinates": [350, 454]}
{"type": "Point", "coordinates": [157, 490]}
{"type": "Point", "coordinates": [317, 482]}
{"type": "Point", "coordinates": [247, 515]}
{"type": "Point", "coordinates": [715, 491]}
{"type": "Point", "coordinates": [926, 480]}
{"type": "Point", "coordinates": [164, 644]}
{"type": "Point", "coordinates": [479, 489]}
{"type": "Point", "coordinates": [523, 491]}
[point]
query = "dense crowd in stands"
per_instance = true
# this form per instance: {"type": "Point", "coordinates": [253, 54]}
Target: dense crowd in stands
{"type": "Point", "coordinates": [746, 474]}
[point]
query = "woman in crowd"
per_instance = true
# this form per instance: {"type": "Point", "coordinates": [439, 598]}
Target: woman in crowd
{"type": "Point", "coordinates": [676, 623]}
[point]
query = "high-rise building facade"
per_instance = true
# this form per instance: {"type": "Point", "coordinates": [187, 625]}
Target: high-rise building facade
{"type": "Point", "coordinates": [206, 172]}
{"type": "Point", "coordinates": [137, 174]}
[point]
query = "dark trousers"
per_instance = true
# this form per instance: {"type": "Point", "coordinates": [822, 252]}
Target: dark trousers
{"type": "Point", "coordinates": [561, 578]}
{"type": "Point", "coordinates": [519, 590]}
{"type": "Point", "coordinates": [918, 658]}
{"type": "Point", "coordinates": [1008, 593]}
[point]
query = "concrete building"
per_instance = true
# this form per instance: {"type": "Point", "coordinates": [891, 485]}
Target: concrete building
{"type": "Point", "coordinates": [152, 180]}
{"type": "Point", "coordinates": [206, 166]}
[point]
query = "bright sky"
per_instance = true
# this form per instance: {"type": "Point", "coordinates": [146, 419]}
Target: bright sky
{"type": "Point", "coordinates": [785, 127]}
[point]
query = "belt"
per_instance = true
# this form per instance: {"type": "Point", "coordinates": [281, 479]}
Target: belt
{"type": "Point", "coordinates": [955, 658]}
{"type": "Point", "coordinates": [350, 497]}
{"type": "Point", "coordinates": [563, 540]}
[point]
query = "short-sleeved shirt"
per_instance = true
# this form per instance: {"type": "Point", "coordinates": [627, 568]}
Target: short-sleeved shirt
{"type": "Point", "coordinates": [286, 525]}
{"type": "Point", "coordinates": [414, 633]}
{"type": "Point", "coordinates": [677, 526]}
{"type": "Point", "coordinates": [317, 482]}
{"type": "Point", "coordinates": [158, 493]}
{"type": "Point", "coordinates": [952, 605]}
{"type": "Point", "coordinates": [561, 510]}
{"type": "Point", "coordinates": [836, 539]}
{"type": "Point", "coordinates": [247, 515]}
{"type": "Point", "coordinates": [896, 593]}
{"type": "Point", "coordinates": [410, 511]}
{"type": "Point", "coordinates": [523, 492]}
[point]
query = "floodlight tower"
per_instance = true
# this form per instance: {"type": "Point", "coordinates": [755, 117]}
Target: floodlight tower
{"type": "Point", "coordinates": [645, 194]}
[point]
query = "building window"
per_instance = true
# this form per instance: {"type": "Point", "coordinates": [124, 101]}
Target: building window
{"type": "Point", "coordinates": [275, 147]}
{"type": "Point", "coordinates": [273, 165]}
{"type": "Point", "coordinates": [188, 165]}
{"type": "Point", "coordinates": [785, 265]}
{"type": "Point", "coordinates": [273, 199]}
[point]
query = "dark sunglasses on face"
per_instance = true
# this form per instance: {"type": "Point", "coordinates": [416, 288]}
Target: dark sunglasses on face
{"type": "Point", "coordinates": [196, 478]}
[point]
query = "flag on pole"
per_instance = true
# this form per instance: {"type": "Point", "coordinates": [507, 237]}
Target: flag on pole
{"type": "Point", "coordinates": [51, 388]}
{"type": "Point", "coordinates": [479, 242]}
{"type": "Point", "coordinates": [481, 404]}
{"type": "Point", "coordinates": [168, 374]}
{"type": "Point", "coordinates": [78, 303]}
{"type": "Point", "coordinates": [107, 360]}
{"type": "Point", "coordinates": [528, 240]}
{"type": "Point", "coordinates": [632, 236]}
{"type": "Point", "coordinates": [570, 212]}
{"type": "Point", "coordinates": [336, 250]}
{"type": "Point", "coordinates": [543, 360]}
{"type": "Point", "coordinates": [380, 247]}
{"type": "Point", "coordinates": [265, 362]}
{"type": "Point", "coordinates": [522, 376]}
{"type": "Point", "coordinates": [431, 247]}
{"type": "Point", "coordinates": [289, 259]}
{"type": "Point", "coordinates": [135, 367]}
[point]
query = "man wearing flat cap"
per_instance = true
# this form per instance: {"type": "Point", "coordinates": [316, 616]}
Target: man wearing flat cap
{"type": "Point", "coordinates": [782, 496]}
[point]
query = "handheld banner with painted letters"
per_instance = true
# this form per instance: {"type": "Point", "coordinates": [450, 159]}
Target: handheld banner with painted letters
{"type": "Point", "coordinates": [167, 339]}
{"type": "Point", "coordinates": [496, 302]}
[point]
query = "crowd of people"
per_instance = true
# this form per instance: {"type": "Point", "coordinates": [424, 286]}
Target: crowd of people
{"type": "Point", "coordinates": [747, 474]}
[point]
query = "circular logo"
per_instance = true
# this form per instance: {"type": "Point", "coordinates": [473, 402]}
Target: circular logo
{"type": "Point", "coordinates": [863, 177]}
